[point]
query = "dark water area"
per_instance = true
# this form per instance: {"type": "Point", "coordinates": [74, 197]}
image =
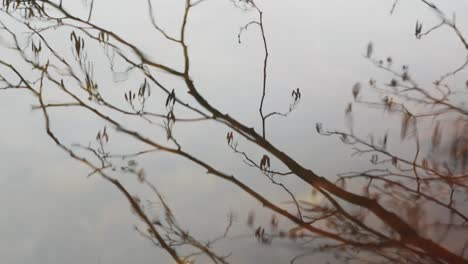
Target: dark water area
{"type": "Point", "coordinates": [227, 131]}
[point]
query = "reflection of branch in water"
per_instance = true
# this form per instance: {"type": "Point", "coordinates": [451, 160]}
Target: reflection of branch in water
{"type": "Point", "coordinates": [175, 151]}
{"type": "Point", "coordinates": [332, 223]}
{"type": "Point", "coordinates": [183, 237]}
{"type": "Point", "coordinates": [167, 243]}
{"type": "Point", "coordinates": [436, 176]}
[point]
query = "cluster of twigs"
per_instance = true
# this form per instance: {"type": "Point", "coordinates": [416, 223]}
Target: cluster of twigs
{"type": "Point", "coordinates": [375, 231]}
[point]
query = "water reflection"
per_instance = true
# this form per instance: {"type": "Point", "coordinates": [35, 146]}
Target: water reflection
{"type": "Point", "coordinates": [406, 206]}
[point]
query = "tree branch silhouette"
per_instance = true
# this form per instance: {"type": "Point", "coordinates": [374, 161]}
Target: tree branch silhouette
{"type": "Point", "coordinates": [399, 238]}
